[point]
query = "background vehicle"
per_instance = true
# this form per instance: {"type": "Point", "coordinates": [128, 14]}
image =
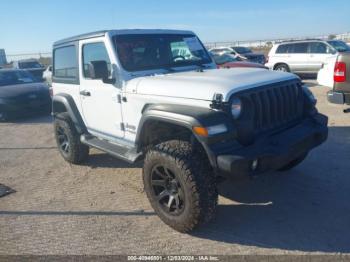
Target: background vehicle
{"type": "Point", "coordinates": [304, 56]}
{"type": "Point", "coordinates": [341, 84]}
{"type": "Point", "coordinates": [221, 50]}
{"type": "Point", "coordinates": [227, 50]}
{"type": "Point", "coordinates": [325, 76]}
{"type": "Point", "coordinates": [249, 54]}
{"type": "Point", "coordinates": [31, 65]}
{"type": "Point", "coordinates": [127, 93]}
{"type": "Point", "coordinates": [21, 94]}
{"type": "Point", "coordinates": [47, 75]}
{"type": "Point", "coordinates": [229, 61]}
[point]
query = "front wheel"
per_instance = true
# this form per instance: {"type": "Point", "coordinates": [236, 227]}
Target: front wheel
{"type": "Point", "coordinates": [180, 185]}
{"type": "Point", "coordinates": [68, 140]}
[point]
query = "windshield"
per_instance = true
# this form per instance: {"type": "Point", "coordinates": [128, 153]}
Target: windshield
{"type": "Point", "coordinates": [340, 46]}
{"type": "Point", "coordinates": [158, 51]}
{"type": "Point", "coordinates": [15, 77]}
{"type": "Point", "coordinates": [32, 64]}
{"type": "Point", "coordinates": [242, 50]}
{"type": "Point", "coordinates": [222, 59]}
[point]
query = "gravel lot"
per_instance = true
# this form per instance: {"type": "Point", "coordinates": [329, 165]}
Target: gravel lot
{"type": "Point", "coordinates": [100, 207]}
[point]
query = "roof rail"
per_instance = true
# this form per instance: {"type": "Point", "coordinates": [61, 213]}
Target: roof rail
{"type": "Point", "coordinates": [299, 40]}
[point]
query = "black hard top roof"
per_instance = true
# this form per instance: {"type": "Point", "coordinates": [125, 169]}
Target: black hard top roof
{"type": "Point", "coordinates": [121, 31]}
{"type": "Point", "coordinates": [79, 37]}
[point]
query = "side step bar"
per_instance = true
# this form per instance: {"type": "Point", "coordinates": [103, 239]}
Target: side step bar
{"type": "Point", "coordinates": [124, 153]}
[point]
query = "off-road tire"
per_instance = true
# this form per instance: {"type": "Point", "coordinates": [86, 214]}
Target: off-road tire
{"type": "Point", "coordinates": [197, 181]}
{"type": "Point", "coordinates": [77, 152]}
{"type": "Point", "coordinates": [293, 163]}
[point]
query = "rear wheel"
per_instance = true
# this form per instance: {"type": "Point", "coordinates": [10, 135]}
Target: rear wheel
{"type": "Point", "coordinates": [180, 185]}
{"type": "Point", "coordinates": [282, 67]}
{"type": "Point", "coordinates": [68, 140]}
{"type": "Point", "coordinates": [293, 163]}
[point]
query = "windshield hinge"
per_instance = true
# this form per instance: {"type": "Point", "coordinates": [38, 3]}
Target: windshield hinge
{"type": "Point", "coordinates": [119, 99]}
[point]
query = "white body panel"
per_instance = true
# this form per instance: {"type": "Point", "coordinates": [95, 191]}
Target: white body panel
{"type": "Point", "coordinates": [325, 75]}
{"type": "Point", "coordinates": [47, 75]}
{"type": "Point", "coordinates": [102, 113]}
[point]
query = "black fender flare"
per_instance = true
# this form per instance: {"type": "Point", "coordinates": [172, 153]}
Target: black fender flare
{"type": "Point", "coordinates": [187, 117]}
{"type": "Point", "coordinates": [65, 103]}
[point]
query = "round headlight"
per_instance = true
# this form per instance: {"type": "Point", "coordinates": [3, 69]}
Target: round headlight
{"type": "Point", "coordinates": [236, 107]}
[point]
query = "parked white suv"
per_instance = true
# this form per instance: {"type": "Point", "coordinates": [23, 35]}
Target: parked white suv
{"type": "Point", "coordinates": [304, 56]}
{"type": "Point", "coordinates": [127, 93]}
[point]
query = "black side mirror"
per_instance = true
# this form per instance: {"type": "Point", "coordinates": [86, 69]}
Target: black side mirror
{"type": "Point", "coordinates": [99, 70]}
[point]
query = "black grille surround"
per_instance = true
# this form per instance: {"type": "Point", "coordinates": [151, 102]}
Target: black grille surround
{"type": "Point", "coordinates": [272, 107]}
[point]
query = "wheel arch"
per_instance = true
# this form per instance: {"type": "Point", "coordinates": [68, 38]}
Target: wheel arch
{"type": "Point", "coordinates": [281, 63]}
{"type": "Point", "coordinates": [179, 121]}
{"type": "Point", "coordinates": [64, 103]}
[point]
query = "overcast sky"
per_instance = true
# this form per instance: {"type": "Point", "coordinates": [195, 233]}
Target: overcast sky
{"type": "Point", "coordinates": [33, 25]}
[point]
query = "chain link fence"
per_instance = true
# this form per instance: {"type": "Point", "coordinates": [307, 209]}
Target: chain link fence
{"type": "Point", "coordinates": [43, 57]}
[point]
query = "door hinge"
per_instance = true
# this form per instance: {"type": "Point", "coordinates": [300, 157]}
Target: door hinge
{"type": "Point", "coordinates": [122, 126]}
{"type": "Point", "coordinates": [119, 99]}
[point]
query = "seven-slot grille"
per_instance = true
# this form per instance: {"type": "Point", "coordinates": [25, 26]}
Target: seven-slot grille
{"type": "Point", "coordinates": [275, 106]}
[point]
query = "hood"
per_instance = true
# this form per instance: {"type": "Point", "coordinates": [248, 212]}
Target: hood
{"type": "Point", "coordinates": [12, 91]}
{"type": "Point", "coordinates": [203, 85]}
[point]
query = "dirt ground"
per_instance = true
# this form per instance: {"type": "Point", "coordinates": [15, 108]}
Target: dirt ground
{"type": "Point", "coordinates": [100, 207]}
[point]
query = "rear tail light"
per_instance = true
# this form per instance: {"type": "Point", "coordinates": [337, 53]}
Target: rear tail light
{"type": "Point", "coordinates": [340, 72]}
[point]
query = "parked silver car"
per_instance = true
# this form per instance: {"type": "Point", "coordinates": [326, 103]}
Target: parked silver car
{"type": "Point", "coordinates": [304, 56]}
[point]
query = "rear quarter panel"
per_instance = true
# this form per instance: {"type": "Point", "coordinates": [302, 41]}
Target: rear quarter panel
{"type": "Point", "coordinates": [344, 86]}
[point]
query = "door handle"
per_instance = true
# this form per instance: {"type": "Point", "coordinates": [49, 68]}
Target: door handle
{"type": "Point", "coordinates": [85, 93]}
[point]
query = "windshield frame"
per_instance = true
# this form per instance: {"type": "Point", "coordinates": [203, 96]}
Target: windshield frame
{"type": "Point", "coordinates": [25, 74]}
{"type": "Point", "coordinates": [168, 66]}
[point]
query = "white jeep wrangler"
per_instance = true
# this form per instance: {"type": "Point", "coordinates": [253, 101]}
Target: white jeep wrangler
{"type": "Point", "coordinates": [132, 94]}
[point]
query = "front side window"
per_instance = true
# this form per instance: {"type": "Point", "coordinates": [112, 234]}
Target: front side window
{"type": "Point", "coordinates": [8, 78]}
{"type": "Point", "coordinates": [282, 49]}
{"type": "Point", "coordinates": [159, 51]}
{"type": "Point", "coordinates": [95, 52]}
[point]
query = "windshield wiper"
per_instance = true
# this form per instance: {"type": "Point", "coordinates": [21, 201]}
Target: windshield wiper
{"type": "Point", "coordinates": [201, 66]}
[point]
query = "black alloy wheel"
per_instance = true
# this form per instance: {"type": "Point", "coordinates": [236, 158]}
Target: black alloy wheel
{"type": "Point", "coordinates": [167, 190]}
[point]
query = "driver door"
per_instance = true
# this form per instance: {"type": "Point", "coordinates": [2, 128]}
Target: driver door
{"type": "Point", "coordinates": [100, 102]}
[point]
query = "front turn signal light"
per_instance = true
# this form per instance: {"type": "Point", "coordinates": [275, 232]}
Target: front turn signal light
{"type": "Point", "coordinates": [201, 131]}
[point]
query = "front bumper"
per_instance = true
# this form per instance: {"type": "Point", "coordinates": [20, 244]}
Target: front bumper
{"type": "Point", "coordinates": [339, 98]}
{"type": "Point", "coordinates": [275, 151]}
